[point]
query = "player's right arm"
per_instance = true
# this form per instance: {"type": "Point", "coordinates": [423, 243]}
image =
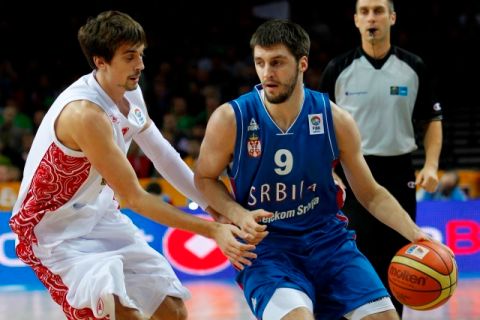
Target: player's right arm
{"type": "Point", "coordinates": [216, 153]}
{"type": "Point", "coordinates": [374, 197]}
{"type": "Point", "coordinates": [83, 126]}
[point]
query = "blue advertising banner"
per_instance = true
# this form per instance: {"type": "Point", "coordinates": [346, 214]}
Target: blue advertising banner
{"type": "Point", "coordinates": [195, 257]}
{"type": "Point", "coordinates": [457, 224]}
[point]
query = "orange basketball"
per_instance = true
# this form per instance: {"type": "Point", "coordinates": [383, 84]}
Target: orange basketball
{"type": "Point", "coordinates": [422, 275]}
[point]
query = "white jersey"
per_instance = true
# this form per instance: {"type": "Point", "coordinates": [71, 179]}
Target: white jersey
{"type": "Point", "coordinates": [62, 196]}
{"type": "Point", "coordinates": [70, 229]}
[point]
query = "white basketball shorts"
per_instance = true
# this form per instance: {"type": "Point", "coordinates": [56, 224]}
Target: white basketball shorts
{"type": "Point", "coordinates": [113, 259]}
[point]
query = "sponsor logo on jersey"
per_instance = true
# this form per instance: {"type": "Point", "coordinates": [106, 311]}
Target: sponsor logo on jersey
{"type": "Point", "coordinates": [355, 93]}
{"type": "Point", "coordinates": [315, 123]}
{"type": "Point", "coordinates": [253, 126]}
{"type": "Point", "coordinates": [100, 307]}
{"type": "Point", "coordinates": [437, 107]}
{"type": "Point", "coordinates": [398, 91]}
{"type": "Point", "coordinates": [254, 146]}
{"type": "Point", "coordinates": [301, 209]}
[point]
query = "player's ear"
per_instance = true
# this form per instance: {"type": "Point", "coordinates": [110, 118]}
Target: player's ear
{"type": "Point", "coordinates": [99, 62]}
{"type": "Point", "coordinates": [303, 63]}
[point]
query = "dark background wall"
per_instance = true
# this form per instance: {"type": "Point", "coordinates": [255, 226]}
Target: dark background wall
{"type": "Point", "coordinates": [38, 42]}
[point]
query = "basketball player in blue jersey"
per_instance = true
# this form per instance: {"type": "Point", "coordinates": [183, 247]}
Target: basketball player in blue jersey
{"type": "Point", "coordinates": [279, 144]}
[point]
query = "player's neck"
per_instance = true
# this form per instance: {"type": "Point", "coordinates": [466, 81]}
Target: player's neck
{"type": "Point", "coordinates": [116, 93]}
{"type": "Point", "coordinates": [285, 113]}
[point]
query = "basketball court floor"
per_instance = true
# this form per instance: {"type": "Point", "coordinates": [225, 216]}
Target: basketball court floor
{"type": "Point", "coordinates": [214, 300]}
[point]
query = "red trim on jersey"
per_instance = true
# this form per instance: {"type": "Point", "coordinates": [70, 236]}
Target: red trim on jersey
{"type": "Point", "coordinates": [57, 178]}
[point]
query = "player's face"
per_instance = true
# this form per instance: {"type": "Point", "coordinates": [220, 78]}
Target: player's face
{"type": "Point", "coordinates": [126, 66]}
{"type": "Point", "coordinates": [278, 71]}
{"type": "Point", "coordinates": [374, 18]}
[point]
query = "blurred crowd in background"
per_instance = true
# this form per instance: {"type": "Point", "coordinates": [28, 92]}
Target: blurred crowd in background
{"type": "Point", "coordinates": [198, 57]}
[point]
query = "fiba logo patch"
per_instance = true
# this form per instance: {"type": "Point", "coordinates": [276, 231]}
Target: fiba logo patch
{"type": "Point", "coordinates": [315, 123]}
{"type": "Point", "coordinates": [417, 251]}
{"type": "Point", "coordinates": [141, 120]}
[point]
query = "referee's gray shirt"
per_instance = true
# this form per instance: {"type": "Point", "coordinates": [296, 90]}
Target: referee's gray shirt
{"type": "Point", "coordinates": [386, 97]}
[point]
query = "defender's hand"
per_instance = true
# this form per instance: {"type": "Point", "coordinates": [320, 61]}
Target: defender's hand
{"type": "Point", "coordinates": [237, 252]}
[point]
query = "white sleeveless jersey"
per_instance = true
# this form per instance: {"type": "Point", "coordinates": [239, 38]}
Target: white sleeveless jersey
{"type": "Point", "coordinates": [61, 195]}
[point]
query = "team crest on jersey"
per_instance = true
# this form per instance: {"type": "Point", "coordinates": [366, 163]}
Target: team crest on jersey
{"type": "Point", "coordinates": [315, 123]}
{"type": "Point", "coordinates": [254, 146]}
{"type": "Point", "coordinates": [141, 120]}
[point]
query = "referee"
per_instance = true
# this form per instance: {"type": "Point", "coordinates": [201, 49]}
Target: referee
{"type": "Point", "coordinates": [388, 92]}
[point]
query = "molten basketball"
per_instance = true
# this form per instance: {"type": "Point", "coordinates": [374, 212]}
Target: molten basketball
{"type": "Point", "coordinates": [422, 275]}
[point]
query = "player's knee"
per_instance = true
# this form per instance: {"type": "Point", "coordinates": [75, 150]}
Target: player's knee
{"type": "Point", "coordinates": [171, 309]}
{"type": "Point", "coordinates": [125, 313]}
{"type": "Point", "coordinates": [180, 313]}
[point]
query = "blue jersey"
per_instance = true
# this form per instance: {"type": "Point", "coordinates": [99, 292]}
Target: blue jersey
{"type": "Point", "coordinates": [288, 172]}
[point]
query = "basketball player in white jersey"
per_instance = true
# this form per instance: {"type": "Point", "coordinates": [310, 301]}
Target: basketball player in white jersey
{"type": "Point", "coordinates": [90, 256]}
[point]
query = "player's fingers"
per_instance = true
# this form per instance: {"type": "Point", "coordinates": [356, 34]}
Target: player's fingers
{"type": "Point", "coordinates": [244, 234]}
{"type": "Point", "coordinates": [240, 258]}
{"type": "Point", "coordinates": [259, 227]}
{"type": "Point", "coordinates": [419, 179]}
{"type": "Point", "coordinates": [236, 264]}
{"type": "Point", "coordinates": [430, 184]}
{"type": "Point", "coordinates": [258, 215]}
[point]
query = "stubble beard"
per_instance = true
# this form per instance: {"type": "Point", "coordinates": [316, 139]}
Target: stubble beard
{"type": "Point", "coordinates": [283, 96]}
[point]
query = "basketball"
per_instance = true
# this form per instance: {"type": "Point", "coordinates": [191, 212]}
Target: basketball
{"type": "Point", "coordinates": [422, 275]}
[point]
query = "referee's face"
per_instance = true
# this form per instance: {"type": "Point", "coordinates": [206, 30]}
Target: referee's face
{"type": "Point", "coordinates": [373, 18]}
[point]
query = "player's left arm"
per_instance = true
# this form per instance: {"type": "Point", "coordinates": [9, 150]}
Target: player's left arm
{"type": "Point", "coordinates": [168, 163]}
{"type": "Point", "coordinates": [375, 198]}
{"type": "Point", "coordinates": [427, 178]}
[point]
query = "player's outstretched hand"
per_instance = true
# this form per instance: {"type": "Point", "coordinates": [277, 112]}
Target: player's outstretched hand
{"type": "Point", "coordinates": [249, 223]}
{"type": "Point", "coordinates": [237, 252]}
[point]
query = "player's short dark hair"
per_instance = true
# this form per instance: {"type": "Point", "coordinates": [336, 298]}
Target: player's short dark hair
{"type": "Point", "coordinates": [102, 35]}
{"type": "Point", "coordinates": [278, 31]}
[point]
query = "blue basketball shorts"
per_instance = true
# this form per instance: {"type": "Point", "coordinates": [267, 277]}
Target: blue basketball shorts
{"type": "Point", "coordinates": [329, 269]}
